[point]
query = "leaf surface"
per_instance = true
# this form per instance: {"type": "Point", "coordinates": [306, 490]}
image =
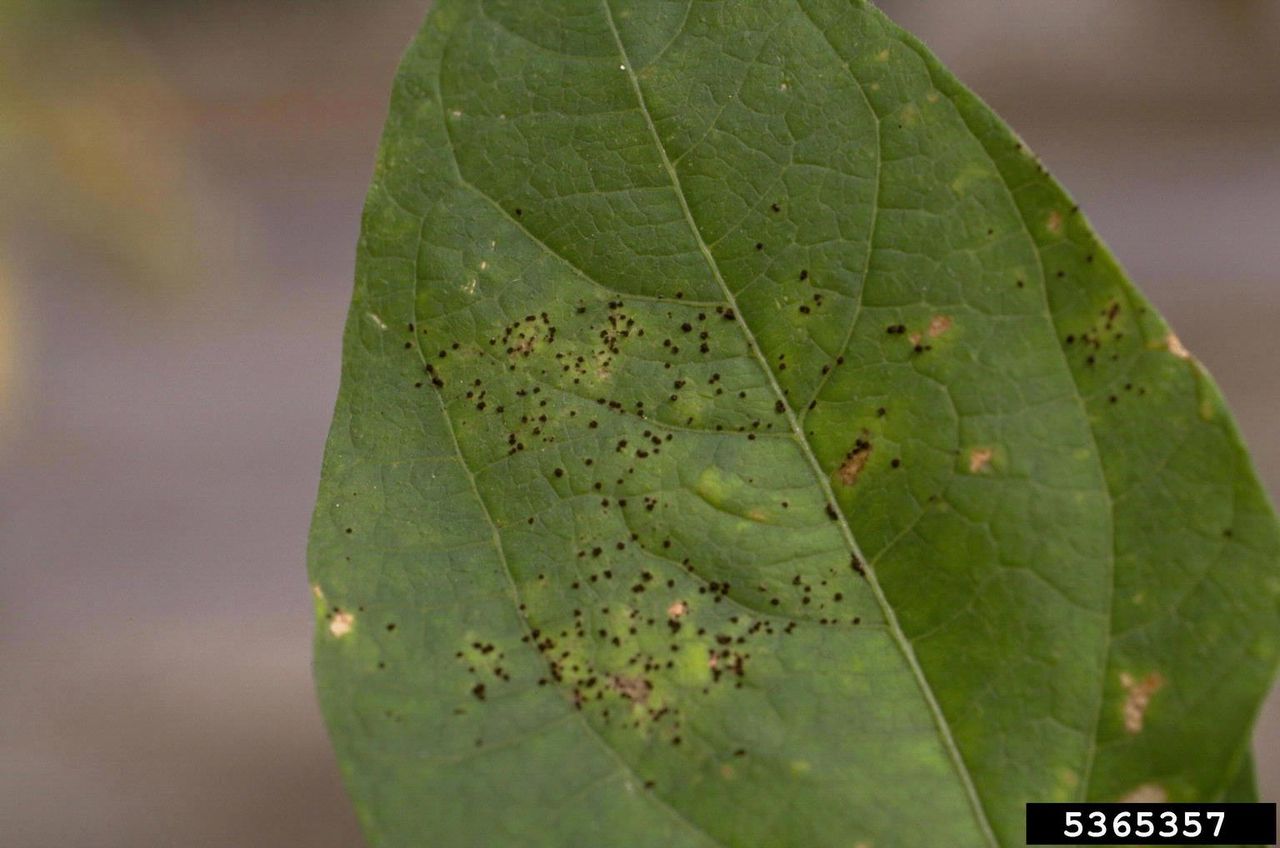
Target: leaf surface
{"type": "Point", "coordinates": [743, 441]}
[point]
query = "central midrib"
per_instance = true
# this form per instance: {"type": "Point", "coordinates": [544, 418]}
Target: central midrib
{"type": "Point", "coordinates": [891, 619]}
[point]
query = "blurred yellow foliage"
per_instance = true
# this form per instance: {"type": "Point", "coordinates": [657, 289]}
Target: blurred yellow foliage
{"type": "Point", "coordinates": [96, 154]}
{"type": "Point", "coordinates": [95, 144]}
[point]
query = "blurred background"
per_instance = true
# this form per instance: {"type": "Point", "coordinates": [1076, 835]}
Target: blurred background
{"type": "Point", "coordinates": [180, 191]}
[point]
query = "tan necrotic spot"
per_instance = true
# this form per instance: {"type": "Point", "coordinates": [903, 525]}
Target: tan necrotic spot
{"type": "Point", "coordinates": [939, 325]}
{"type": "Point", "coordinates": [1147, 793]}
{"type": "Point", "coordinates": [634, 689]}
{"type": "Point", "coordinates": [854, 462]}
{"type": "Point", "coordinates": [1138, 695]}
{"type": "Point", "coordinates": [1174, 344]}
{"type": "Point", "coordinates": [980, 460]}
{"type": "Point", "coordinates": [1054, 222]}
{"type": "Point", "coordinates": [341, 623]}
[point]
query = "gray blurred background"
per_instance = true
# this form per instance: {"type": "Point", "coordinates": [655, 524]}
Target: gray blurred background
{"type": "Point", "coordinates": [180, 190]}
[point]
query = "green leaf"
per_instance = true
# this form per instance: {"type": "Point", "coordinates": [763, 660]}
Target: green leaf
{"type": "Point", "coordinates": [743, 441]}
{"type": "Point", "coordinates": [1244, 787]}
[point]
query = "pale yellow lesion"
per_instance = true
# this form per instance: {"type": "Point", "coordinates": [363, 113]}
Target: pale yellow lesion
{"type": "Point", "coordinates": [980, 460]}
{"type": "Point", "coordinates": [1175, 346]}
{"type": "Point", "coordinates": [341, 624]}
{"type": "Point", "coordinates": [1147, 793]}
{"type": "Point", "coordinates": [1065, 787]}
{"type": "Point", "coordinates": [1138, 695]}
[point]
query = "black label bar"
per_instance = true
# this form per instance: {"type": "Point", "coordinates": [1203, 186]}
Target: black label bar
{"type": "Point", "coordinates": [1151, 824]}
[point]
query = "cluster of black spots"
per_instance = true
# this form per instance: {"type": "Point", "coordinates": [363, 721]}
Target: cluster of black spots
{"type": "Point", "coordinates": [718, 589]}
{"type": "Point", "coordinates": [520, 338]}
{"type": "Point", "coordinates": [805, 309]}
{"type": "Point", "coordinates": [488, 651]}
{"type": "Point", "coordinates": [807, 597]}
{"type": "Point", "coordinates": [1109, 314]}
{"type": "Point", "coordinates": [628, 685]}
{"type": "Point", "coordinates": [436, 379]}
{"type": "Point", "coordinates": [826, 369]}
{"type": "Point", "coordinates": [1094, 338]}
{"type": "Point", "coordinates": [917, 344]}
{"type": "Point", "coordinates": [724, 662]}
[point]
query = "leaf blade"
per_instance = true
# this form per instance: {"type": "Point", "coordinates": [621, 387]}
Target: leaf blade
{"type": "Point", "coordinates": [514, 182]}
